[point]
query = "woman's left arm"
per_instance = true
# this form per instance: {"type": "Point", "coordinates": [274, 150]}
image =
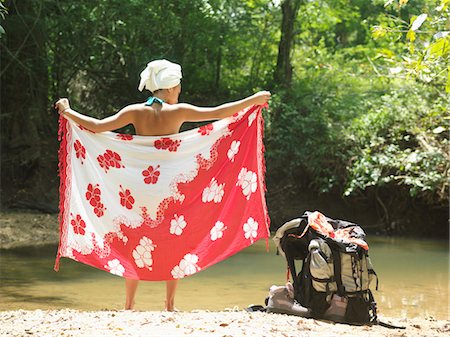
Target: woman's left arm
{"type": "Point", "coordinates": [122, 118]}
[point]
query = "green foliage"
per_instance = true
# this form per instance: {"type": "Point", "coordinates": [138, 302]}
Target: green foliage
{"type": "Point", "coordinates": [344, 133]}
{"type": "Point", "coordinates": [338, 23]}
{"type": "Point", "coordinates": [225, 47]}
{"type": "Point", "coordinates": [306, 125]}
{"type": "Point", "coordinates": [401, 140]}
{"type": "Point", "coordinates": [422, 30]}
{"type": "Point", "coordinates": [346, 126]}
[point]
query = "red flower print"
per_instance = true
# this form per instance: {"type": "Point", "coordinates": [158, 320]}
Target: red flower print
{"type": "Point", "coordinates": [78, 225]}
{"type": "Point", "coordinates": [94, 201]}
{"type": "Point", "coordinates": [151, 175]}
{"type": "Point", "coordinates": [103, 163]}
{"type": "Point", "coordinates": [93, 192]}
{"type": "Point", "coordinates": [205, 129]}
{"type": "Point", "coordinates": [167, 144]}
{"type": "Point", "coordinates": [93, 196]}
{"type": "Point", "coordinates": [113, 159]}
{"type": "Point", "coordinates": [99, 210]}
{"type": "Point", "coordinates": [126, 199]}
{"type": "Point", "coordinates": [80, 151]}
{"type": "Point", "coordinates": [163, 143]}
{"type": "Point", "coordinates": [174, 146]}
{"type": "Point", "coordinates": [109, 159]}
{"type": "Point", "coordinates": [123, 136]}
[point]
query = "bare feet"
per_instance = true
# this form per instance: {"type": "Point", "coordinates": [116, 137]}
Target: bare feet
{"type": "Point", "coordinates": [129, 306]}
{"type": "Point", "coordinates": [170, 307]}
{"type": "Point", "coordinates": [171, 287]}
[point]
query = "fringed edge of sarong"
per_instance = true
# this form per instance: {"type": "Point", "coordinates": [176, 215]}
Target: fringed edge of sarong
{"type": "Point", "coordinates": [262, 169]}
{"type": "Point", "coordinates": [62, 171]}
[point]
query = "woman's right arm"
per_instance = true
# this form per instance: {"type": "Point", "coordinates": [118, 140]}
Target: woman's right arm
{"type": "Point", "coordinates": [192, 113]}
{"type": "Point", "coordinates": [122, 118]}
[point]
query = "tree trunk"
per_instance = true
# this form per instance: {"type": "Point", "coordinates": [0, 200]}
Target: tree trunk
{"type": "Point", "coordinates": [283, 71]}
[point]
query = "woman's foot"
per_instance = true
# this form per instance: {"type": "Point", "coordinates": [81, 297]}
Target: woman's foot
{"type": "Point", "coordinates": [129, 306]}
{"type": "Point", "coordinates": [170, 307]}
{"type": "Point", "coordinates": [171, 287]}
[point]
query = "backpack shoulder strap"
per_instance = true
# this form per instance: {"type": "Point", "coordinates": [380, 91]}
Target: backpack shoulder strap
{"type": "Point", "coordinates": [337, 270]}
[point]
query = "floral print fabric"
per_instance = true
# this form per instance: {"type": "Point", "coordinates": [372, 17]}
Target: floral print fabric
{"type": "Point", "coordinates": [162, 208]}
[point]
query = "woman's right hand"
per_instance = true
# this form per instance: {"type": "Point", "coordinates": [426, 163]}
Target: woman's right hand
{"type": "Point", "coordinates": [261, 97]}
{"type": "Point", "coordinates": [62, 104]}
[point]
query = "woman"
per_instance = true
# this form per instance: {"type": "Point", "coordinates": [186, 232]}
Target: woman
{"type": "Point", "coordinates": [160, 115]}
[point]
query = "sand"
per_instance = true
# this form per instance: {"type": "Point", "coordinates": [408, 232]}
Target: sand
{"type": "Point", "coordinates": [197, 323]}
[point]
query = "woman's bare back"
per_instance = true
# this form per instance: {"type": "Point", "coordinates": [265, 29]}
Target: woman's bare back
{"type": "Point", "coordinates": [156, 120]}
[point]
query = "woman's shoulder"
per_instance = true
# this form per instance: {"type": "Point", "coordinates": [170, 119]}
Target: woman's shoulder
{"type": "Point", "coordinates": [136, 108]}
{"type": "Point", "coordinates": [181, 107]}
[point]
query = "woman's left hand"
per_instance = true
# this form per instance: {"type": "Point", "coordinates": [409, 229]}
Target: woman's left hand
{"type": "Point", "coordinates": [62, 104]}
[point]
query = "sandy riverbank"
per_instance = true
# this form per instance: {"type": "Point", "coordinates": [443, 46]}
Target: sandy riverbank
{"type": "Point", "coordinates": [197, 323]}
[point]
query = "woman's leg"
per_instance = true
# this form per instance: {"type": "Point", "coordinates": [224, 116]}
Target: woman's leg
{"type": "Point", "coordinates": [130, 287]}
{"type": "Point", "coordinates": [171, 287]}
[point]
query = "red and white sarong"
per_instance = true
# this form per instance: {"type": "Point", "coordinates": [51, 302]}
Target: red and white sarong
{"type": "Point", "coordinates": [162, 208]}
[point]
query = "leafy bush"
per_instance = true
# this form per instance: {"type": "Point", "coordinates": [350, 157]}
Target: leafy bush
{"type": "Point", "coordinates": [337, 132]}
{"type": "Point", "coordinates": [306, 125]}
{"type": "Point", "coordinates": [402, 139]}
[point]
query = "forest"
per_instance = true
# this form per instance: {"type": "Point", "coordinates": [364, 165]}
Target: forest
{"type": "Point", "coordinates": [357, 126]}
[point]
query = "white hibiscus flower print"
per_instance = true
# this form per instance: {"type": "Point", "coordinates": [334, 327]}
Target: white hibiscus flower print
{"type": "Point", "coordinates": [217, 231]}
{"type": "Point", "coordinates": [177, 225]}
{"type": "Point", "coordinates": [234, 149]}
{"type": "Point", "coordinates": [248, 181]}
{"type": "Point", "coordinates": [251, 229]}
{"type": "Point", "coordinates": [249, 184]}
{"type": "Point", "coordinates": [177, 272]}
{"type": "Point", "coordinates": [187, 266]}
{"type": "Point", "coordinates": [213, 192]}
{"type": "Point", "coordinates": [241, 176]}
{"type": "Point", "coordinates": [115, 267]}
{"type": "Point", "coordinates": [219, 193]}
{"type": "Point", "coordinates": [251, 118]}
{"type": "Point", "coordinates": [142, 254]}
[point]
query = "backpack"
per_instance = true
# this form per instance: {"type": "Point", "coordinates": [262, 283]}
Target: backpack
{"type": "Point", "coordinates": [336, 270]}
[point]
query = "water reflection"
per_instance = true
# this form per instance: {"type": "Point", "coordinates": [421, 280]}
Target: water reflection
{"type": "Point", "coordinates": [414, 281]}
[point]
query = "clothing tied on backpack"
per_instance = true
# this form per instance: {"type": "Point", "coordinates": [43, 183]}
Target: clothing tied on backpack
{"type": "Point", "coordinates": [336, 271]}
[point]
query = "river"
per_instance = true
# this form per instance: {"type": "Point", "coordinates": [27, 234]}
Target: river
{"type": "Point", "coordinates": [413, 275]}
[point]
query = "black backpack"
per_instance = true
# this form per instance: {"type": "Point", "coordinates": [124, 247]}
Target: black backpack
{"type": "Point", "coordinates": [336, 273]}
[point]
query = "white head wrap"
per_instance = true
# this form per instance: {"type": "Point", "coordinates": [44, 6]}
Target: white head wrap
{"type": "Point", "coordinates": [160, 74]}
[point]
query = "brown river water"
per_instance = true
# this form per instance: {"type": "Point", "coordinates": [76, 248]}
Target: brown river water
{"type": "Point", "coordinates": [413, 275]}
